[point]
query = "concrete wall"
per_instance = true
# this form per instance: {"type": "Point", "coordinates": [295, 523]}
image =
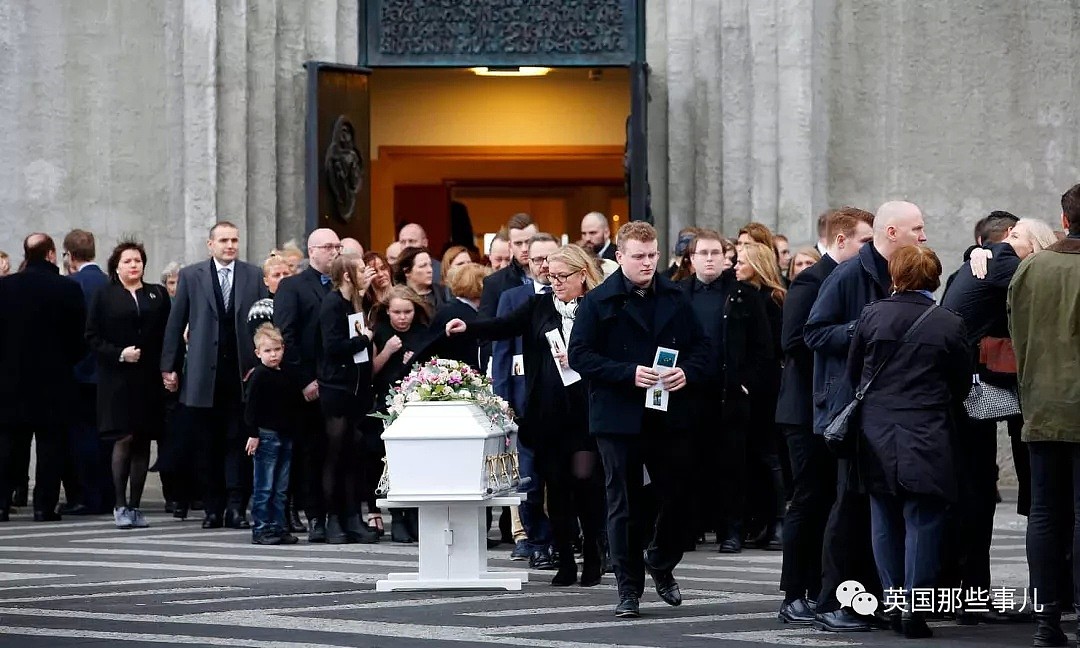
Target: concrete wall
{"type": "Point", "coordinates": [776, 111]}
{"type": "Point", "coordinates": [157, 118]}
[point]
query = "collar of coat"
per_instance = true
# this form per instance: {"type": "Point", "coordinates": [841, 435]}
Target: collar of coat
{"type": "Point", "coordinates": [872, 262]}
{"type": "Point", "coordinates": [41, 266]}
{"type": "Point", "coordinates": [617, 286]}
{"type": "Point", "coordinates": [1066, 245]}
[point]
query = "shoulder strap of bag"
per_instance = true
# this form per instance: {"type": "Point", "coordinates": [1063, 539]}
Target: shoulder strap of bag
{"type": "Point", "coordinates": [907, 336]}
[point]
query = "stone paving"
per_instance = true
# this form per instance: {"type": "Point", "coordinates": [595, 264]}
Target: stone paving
{"type": "Point", "coordinates": [84, 582]}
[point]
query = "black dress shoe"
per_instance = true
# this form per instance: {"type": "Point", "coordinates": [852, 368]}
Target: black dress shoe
{"type": "Point", "coordinates": [292, 520]}
{"type": "Point", "coordinates": [316, 529]}
{"type": "Point", "coordinates": [211, 521]}
{"type": "Point", "coordinates": [335, 533]}
{"type": "Point", "coordinates": [180, 511]}
{"type": "Point", "coordinates": [914, 626]}
{"type": "Point", "coordinates": [666, 587]}
{"type": "Point", "coordinates": [541, 559]}
{"type": "Point", "coordinates": [359, 532]}
{"type": "Point", "coordinates": [399, 530]}
{"type": "Point", "coordinates": [74, 509]}
{"type": "Point", "coordinates": [1048, 631]}
{"type": "Point", "coordinates": [731, 545]}
{"type": "Point", "coordinates": [266, 540]}
{"type": "Point", "coordinates": [796, 612]}
{"type": "Point", "coordinates": [288, 538]}
{"type": "Point", "coordinates": [628, 607]}
{"type": "Point", "coordinates": [46, 516]}
{"type": "Point", "coordinates": [840, 621]}
{"type": "Point", "coordinates": [236, 519]}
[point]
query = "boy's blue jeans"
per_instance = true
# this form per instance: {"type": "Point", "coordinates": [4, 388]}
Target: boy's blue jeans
{"type": "Point", "coordinates": [272, 460]}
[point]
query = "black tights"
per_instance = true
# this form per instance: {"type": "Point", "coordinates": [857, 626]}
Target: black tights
{"type": "Point", "coordinates": [341, 467]}
{"type": "Point", "coordinates": [130, 459]}
{"type": "Point", "coordinates": [574, 490]}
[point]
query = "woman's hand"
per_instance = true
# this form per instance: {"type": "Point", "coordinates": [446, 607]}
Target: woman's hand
{"type": "Point", "coordinates": [563, 361]}
{"type": "Point", "coordinates": [979, 258]}
{"type": "Point", "coordinates": [393, 345]}
{"type": "Point", "coordinates": [455, 326]}
{"type": "Point", "coordinates": [131, 354]}
{"type": "Point", "coordinates": [252, 445]}
{"type": "Point", "coordinates": [407, 357]}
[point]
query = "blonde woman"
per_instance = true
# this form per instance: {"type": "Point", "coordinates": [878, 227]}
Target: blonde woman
{"type": "Point", "coordinates": [802, 260]}
{"type": "Point", "coordinates": [1028, 236]}
{"type": "Point", "coordinates": [756, 266]}
{"type": "Point", "coordinates": [557, 426]}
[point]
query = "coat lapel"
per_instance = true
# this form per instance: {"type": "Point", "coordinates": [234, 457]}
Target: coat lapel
{"type": "Point", "coordinates": [207, 278]}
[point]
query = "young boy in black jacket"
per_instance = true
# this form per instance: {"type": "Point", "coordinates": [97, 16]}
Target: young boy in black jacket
{"type": "Point", "coordinates": [271, 414]}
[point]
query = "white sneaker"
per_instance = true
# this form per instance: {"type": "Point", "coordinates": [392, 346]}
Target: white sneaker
{"type": "Point", "coordinates": [138, 520]}
{"type": "Point", "coordinates": [122, 517]}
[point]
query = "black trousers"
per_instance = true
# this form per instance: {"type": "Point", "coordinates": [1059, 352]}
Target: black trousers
{"type": "Point", "coordinates": [1021, 464]}
{"type": "Point", "coordinates": [51, 452]}
{"type": "Point", "coordinates": [971, 522]}
{"type": "Point", "coordinates": [847, 553]}
{"type": "Point", "coordinates": [1055, 470]}
{"type": "Point", "coordinates": [813, 473]}
{"type": "Point", "coordinates": [224, 469]}
{"type": "Point", "coordinates": [305, 472]}
{"type": "Point", "coordinates": [667, 456]}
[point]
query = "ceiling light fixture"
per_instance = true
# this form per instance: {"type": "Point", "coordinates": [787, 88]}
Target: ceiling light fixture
{"type": "Point", "coordinates": [510, 71]}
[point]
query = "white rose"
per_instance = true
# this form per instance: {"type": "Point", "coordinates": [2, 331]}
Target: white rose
{"type": "Point", "coordinates": [413, 397]}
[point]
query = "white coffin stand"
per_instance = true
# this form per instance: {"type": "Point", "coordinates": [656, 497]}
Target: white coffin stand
{"type": "Point", "coordinates": [435, 452]}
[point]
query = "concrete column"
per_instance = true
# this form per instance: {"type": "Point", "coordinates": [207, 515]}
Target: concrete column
{"type": "Point", "coordinates": [290, 120]}
{"type": "Point", "coordinates": [199, 69]}
{"type": "Point", "coordinates": [232, 116]}
{"type": "Point", "coordinates": [262, 56]}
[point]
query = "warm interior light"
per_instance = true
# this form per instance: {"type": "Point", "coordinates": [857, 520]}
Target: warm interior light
{"type": "Point", "coordinates": [512, 71]}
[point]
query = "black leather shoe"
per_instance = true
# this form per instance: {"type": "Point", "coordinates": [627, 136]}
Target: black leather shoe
{"type": "Point", "coordinates": [731, 545]}
{"type": "Point", "coordinates": [335, 534]}
{"type": "Point", "coordinates": [541, 559]}
{"type": "Point", "coordinates": [914, 626]}
{"type": "Point", "coordinates": [292, 520]}
{"type": "Point", "coordinates": [75, 509]}
{"type": "Point", "coordinates": [236, 519]}
{"type": "Point", "coordinates": [666, 587]}
{"type": "Point", "coordinates": [1048, 631]}
{"type": "Point", "coordinates": [840, 621]}
{"type": "Point", "coordinates": [316, 529]}
{"type": "Point", "coordinates": [211, 521]}
{"type": "Point", "coordinates": [796, 612]}
{"type": "Point", "coordinates": [628, 607]}
{"type": "Point", "coordinates": [266, 540]}
{"type": "Point", "coordinates": [399, 530]}
{"type": "Point", "coordinates": [46, 516]}
{"type": "Point", "coordinates": [180, 511]}
{"type": "Point", "coordinates": [288, 538]}
{"type": "Point", "coordinates": [359, 532]}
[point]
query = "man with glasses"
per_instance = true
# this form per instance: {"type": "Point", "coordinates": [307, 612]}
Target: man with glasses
{"type": "Point", "coordinates": [212, 302]}
{"type": "Point", "coordinates": [296, 315]}
{"type": "Point", "coordinates": [618, 330]}
{"type": "Point", "coordinates": [508, 381]}
{"type": "Point", "coordinates": [733, 318]}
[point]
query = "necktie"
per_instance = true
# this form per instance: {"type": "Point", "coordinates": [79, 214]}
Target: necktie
{"type": "Point", "coordinates": [546, 290]}
{"type": "Point", "coordinates": [641, 292]}
{"type": "Point", "coordinates": [226, 286]}
{"type": "Point", "coordinates": [325, 279]}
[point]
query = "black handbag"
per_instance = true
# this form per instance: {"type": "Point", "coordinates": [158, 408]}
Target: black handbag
{"type": "Point", "coordinates": [837, 434]}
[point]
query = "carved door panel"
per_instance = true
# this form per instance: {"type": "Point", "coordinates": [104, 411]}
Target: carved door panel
{"type": "Point", "coordinates": [337, 169]}
{"type": "Point", "coordinates": [635, 159]}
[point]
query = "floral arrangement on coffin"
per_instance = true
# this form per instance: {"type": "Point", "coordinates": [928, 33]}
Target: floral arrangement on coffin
{"type": "Point", "coordinates": [447, 380]}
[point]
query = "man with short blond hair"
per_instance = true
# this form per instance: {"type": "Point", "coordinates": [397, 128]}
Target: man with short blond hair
{"type": "Point", "coordinates": [619, 329]}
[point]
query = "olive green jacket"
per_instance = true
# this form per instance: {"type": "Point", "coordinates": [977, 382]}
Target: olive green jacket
{"type": "Point", "coordinates": [1044, 322]}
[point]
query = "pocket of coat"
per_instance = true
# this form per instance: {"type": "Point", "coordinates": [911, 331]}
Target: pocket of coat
{"type": "Point", "coordinates": [820, 397]}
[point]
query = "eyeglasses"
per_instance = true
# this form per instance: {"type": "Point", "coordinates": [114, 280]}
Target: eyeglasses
{"type": "Point", "coordinates": [708, 254]}
{"type": "Point", "coordinates": [561, 278]}
{"type": "Point", "coordinates": [328, 246]}
{"type": "Point", "coordinates": [538, 260]}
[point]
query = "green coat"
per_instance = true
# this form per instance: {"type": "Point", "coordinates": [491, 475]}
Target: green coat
{"type": "Point", "coordinates": [1044, 322]}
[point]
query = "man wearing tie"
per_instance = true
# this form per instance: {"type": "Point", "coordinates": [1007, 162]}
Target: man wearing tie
{"type": "Point", "coordinates": [212, 302]}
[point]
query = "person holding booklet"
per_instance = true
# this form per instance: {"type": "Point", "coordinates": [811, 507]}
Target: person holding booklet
{"type": "Point", "coordinates": [344, 374]}
{"type": "Point", "coordinates": [555, 426]}
{"type": "Point", "coordinates": [625, 332]}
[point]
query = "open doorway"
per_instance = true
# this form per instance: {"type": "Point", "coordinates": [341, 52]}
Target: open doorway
{"type": "Point", "coordinates": [551, 146]}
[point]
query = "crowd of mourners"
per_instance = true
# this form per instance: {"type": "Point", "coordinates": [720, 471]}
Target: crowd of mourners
{"type": "Point", "coordinates": [838, 402]}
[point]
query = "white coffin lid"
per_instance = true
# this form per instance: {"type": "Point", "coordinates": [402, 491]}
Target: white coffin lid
{"type": "Point", "coordinates": [442, 420]}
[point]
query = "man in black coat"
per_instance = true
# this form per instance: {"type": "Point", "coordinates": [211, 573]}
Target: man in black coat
{"type": "Point", "coordinates": [42, 322]}
{"type": "Point", "coordinates": [296, 314]}
{"type": "Point", "coordinates": [846, 553]}
{"type": "Point", "coordinates": [521, 229]}
{"type": "Point", "coordinates": [213, 298]}
{"type": "Point", "coordinates": [732, 316]}
{"type": "Point", "coordinates": [596, 235]}
{"type": "Point", "coordinates": [87, 463]}
{"type": "Point", "coordinates": [617, 333]}
{"type": "Point", "coordinates": [813, 467]}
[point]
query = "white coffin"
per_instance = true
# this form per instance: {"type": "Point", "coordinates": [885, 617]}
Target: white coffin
{"type": "Point", "coordinates": [439, 449]}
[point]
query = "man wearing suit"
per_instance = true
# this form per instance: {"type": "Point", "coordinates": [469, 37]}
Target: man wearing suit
{"type": "Point", "coordinates": [296, 314]}
{"type": "Point", "coordinates": [87, 466]}
{"type": "Point", "coordinates": [212, 302]}
{"type": "Point", "coordinates": [813, 467]}
{"type": "Point", "coordinates": [521, 229]}
{"type": "Point", "coordinates": [596, 235]}
{"type": "Point", "coordinates": [508, 381]}
{"type": "Point", "coordinates": [42, 324]}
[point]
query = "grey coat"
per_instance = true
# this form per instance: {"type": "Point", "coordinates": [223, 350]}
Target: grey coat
{"type": "Point", "coordinates": [196, 308]}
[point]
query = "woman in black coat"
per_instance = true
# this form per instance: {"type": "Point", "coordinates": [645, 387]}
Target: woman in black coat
{"type": "Point", "coordinates": [904, 447]}
{"type": "Point", "coordinates": [125, 329]}
{"type": "Point", "coordinates": [344, 374]}
{"type": "Point", "coordinates": [466, 284]}
{"type": "Point", "coordinates": [556, 425]}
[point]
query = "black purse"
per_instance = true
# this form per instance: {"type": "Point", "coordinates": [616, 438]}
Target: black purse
{"type": "Point", "coordinates": [838, 433]}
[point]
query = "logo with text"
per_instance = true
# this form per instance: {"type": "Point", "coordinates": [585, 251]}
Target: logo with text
{"type": "Point", "coordinates": [852, 594]}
